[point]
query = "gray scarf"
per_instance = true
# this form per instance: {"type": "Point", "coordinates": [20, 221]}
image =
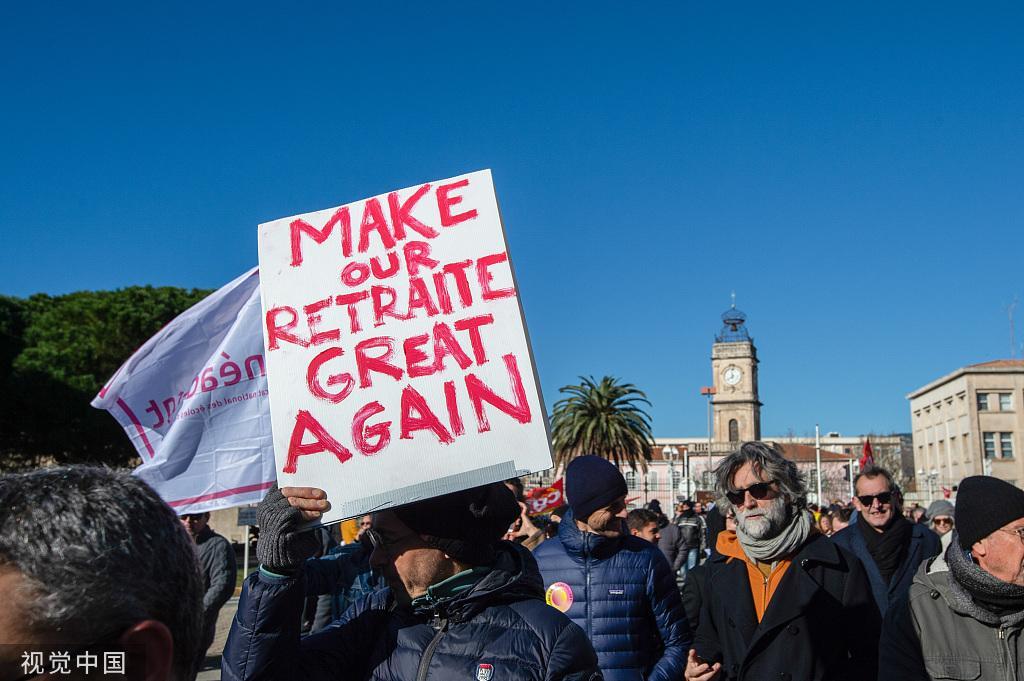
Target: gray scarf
{"type": "Point", "coordinates": [791, 538]}
{"type": "Point", "coordinates": [979, 594]}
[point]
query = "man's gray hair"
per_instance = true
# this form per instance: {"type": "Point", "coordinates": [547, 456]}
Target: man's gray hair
{"type": "Point", "coordinates": [771, 464]}
{"type": "Point", "coordinates": [874, 471]}
{"type": "Point", "coordinates": [99, 551]}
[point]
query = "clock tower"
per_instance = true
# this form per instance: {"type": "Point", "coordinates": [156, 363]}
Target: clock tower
{"type": "Point", "coordinates": [737, 410]}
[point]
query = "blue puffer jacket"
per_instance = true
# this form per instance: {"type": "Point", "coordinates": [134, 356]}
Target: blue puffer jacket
{"type": "Point", "coordinates": [624, 595]}
{"type": "Point", "coordinates": [499, 629]}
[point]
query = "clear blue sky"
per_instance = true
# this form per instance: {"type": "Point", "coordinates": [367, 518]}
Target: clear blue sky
{"type": "Point", "coordinates": [852, 170]}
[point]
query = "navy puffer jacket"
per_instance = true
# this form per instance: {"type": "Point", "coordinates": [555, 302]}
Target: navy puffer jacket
{"type": "Point", "coordinates": [501, 629]}
{"type": "Point", "coordinates": [624, 595]}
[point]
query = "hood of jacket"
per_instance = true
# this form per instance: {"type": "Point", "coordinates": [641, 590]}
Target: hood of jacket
{"type": "Point", "coordinates": [579, 544]}
{"type": "Point", "coordinates": [513, 577]}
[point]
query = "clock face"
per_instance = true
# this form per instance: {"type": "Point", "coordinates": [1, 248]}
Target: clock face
{"type": "Point", "coordinates": [732, 375]}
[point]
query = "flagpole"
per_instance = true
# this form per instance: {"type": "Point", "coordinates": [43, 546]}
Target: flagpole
{"type": "Point", "coordinates": [817, 459]}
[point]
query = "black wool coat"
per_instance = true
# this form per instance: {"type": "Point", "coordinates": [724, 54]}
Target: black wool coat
{"type": "Point", "coordinates": [821, 623]}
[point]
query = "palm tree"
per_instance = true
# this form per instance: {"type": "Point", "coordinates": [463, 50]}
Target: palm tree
{"type": "Point", "coordinates": [605, 419]}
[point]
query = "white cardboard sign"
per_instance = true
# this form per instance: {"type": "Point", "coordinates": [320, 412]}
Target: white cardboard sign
{"type": "Point", "coordinates": [397, 355]}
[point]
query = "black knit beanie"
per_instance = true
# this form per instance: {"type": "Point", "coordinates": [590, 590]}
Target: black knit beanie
{"type": "Point", "coordinates": [983, 505]}
{"type": "Point", "coordinates": [466, 525]}
{"type": "Point", "coordinates": [592, 483]}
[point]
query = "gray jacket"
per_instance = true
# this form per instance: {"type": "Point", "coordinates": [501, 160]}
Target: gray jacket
{"type": "Point", "coordinates": [671, 544]}
{"type": "Point", "coordinates": [217, 560]}
{"type": "Point", "coordinates": [927, 637]}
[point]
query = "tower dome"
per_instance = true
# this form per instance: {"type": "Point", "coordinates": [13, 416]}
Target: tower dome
{"type": "Point", "coordinates": [734, 329]}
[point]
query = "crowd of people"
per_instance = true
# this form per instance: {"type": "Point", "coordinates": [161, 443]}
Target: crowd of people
{"type": "Point", "coordinates": [755, 584]}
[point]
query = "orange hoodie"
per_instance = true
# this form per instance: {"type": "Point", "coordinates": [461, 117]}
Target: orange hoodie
{"type": "Point", "coordinates": [764, 580]}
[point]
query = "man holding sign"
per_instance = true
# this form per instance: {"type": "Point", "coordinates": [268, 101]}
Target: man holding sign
{"type": "Point", "coordinates": [401, 383]}
{"type": "Point", "coordinates": [461, 603]}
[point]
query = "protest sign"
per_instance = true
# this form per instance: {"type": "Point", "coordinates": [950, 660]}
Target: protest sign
{"type": "Point", "coordinates": [193, 400]}
{"type": "Point", "coordinates": [541, 500]}
{"type": "Point", "coordinates": [397, 355]}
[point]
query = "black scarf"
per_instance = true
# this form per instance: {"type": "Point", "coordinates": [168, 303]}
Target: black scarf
{"type": "Point", "coordinates": [889, 547]}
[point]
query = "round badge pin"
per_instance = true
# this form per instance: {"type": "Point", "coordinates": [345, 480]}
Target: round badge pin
{"type": "Point", "coordinates": [559, 596]}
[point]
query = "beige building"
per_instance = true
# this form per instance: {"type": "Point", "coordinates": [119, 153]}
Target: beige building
{"type": "Point", "coordinates": [969, 422]}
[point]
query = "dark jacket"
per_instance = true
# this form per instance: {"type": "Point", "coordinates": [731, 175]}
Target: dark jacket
{"type": "Point", "coordinates": [824, 588]}
{"type": "Point", "coordinates": [344, 576]}
{"type": "Point", "coordinates": [670, 542]}
{"type": "Point", "coordinates": [927, 635]}
{"type": "Point", "coordinates": [217, 560]}
{"type": "Point", "coordinates": [691, 529]}
{"type": "Point", "coordinates": [924, 544]}
{"type": "Point", "coordinates": [624, 596]}
{"type": "Point", "coordinates": [500, 628]}
{"type": "Point", "coordinates": [693, 594]}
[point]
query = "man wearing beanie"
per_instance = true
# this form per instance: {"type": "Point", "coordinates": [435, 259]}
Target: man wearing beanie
{"type": "Point", "coordinates": [775, 587]}
{"type": "Point", "coordinates": [617, 587]}
{"type": "Point", "coordinates": [890, 546]}
{"type": "Point", "coordinates": [963, 616]}
{"type": "Point", "coordinates": [460, 603]}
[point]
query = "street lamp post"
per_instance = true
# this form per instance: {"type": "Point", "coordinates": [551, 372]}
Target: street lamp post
{"type": "Point", "coordinates": [930, 476]}
{"type": "Point", "coordinates": [817, 461]}
{"type": "Point", "coordinates": [686, 470]}
{"type": "Point", "coordinates": [670, 452]}
{"type": "Point", "coordinates": [709, 391]}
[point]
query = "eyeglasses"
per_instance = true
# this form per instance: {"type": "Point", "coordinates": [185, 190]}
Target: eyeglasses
{"type": "Point", "coordinates": [758, 491]}
{"type": "Point", "coordinates": [868, 499]}
{"type": "Point", "coordinates": [1018, 531]}
{"type": "Point", "coordinates": [376, 541]}
{"type": "Point", "coordinates": [942, 521]}
{"type": "Point", "coordinates": [388, 544]}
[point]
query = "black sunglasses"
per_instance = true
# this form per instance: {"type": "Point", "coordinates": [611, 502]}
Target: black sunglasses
{"type": "Point", "coordinates": [758, 491]}
{"type": "Point", "coordinates": [868, 499]}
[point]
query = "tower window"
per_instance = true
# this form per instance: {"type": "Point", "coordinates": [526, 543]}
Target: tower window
{"type": "Point", "coordinates": [734, 430]}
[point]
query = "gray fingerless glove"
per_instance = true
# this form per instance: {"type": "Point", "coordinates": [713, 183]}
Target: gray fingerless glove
{"type": "Point", "coordinates": [281, 547]}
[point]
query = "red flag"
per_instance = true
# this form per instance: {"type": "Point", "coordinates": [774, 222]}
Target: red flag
{"type": "Point", "coordinates": [544, 499]}
{"type": "Point", "coordinates": [868, 458]}
{"type": "Point", "coordinates": [947, 492]}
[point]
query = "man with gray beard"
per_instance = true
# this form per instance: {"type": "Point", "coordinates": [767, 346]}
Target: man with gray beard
{"type": "Point", "coordinates": [776, 587]}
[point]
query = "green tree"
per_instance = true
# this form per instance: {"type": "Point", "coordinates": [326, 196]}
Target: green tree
{"type": "Point", "coordinates": [605, 419]}
{"type": "Point", "coordinates": [56, 352]}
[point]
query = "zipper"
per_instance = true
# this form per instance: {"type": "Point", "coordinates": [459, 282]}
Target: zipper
{"type": "Point", "coordinates": [1011, 671]}
{"type": "Point", "coordinates": [586, 590]}
{"type": "Point", "coordinates": [421, 674]}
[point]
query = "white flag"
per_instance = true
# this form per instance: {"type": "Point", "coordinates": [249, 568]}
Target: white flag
{"type": "Point", "coordinates": [193, 400]}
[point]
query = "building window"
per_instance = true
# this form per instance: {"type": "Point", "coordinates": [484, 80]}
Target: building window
{"type": "Point", "coordinates": [1006, 445]}
{"type": "Point", "coordinates": [982, 401]}
{"type": "Point", "coordinates": [677, 478]}
{"type": "Point", "coordinates": [631, 480]}
{"type": "Point", "coordinates": [652, 480]}
{"type": "Point", "coordinates": [1005, 403]}
{"type": "Point", "coordinates": [734, 430]}
{"type": "Point", "coordinates": [989, 440]}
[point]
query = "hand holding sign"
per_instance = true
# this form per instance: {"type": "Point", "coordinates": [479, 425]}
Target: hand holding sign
{"type": "Point", "coordinates": [397, 356]}
{"type": "Point", "coordinates": [282, 546]}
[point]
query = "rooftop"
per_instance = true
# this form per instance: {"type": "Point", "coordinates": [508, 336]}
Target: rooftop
{"type": "Point", "coordinates": [997, 366]}
{"type": "Point", "coordinates": [1018, 363]}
